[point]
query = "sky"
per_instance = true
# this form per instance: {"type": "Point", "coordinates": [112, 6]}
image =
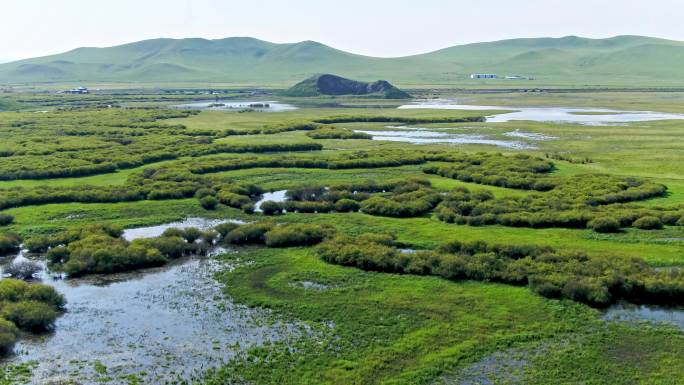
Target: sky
{"type": "Point", "coordinates": [384, 28]}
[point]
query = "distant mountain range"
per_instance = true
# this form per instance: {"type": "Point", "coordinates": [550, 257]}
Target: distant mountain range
{"type": "Point", "coordinates": [626, 60]}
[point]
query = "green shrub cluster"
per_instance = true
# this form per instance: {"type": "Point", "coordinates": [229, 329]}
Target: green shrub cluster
{"type": "Point", "coordinates": [519, 171]}
{"type": "Point", "coordinates": [100, 249]}
{"type": "Point", "coordinates": [337, 133]}
{"type": "Point", "coordinates": [594, 280]}
{"type": "Point", "coordinates": [6, 219]}
{"type": "Point", "coordinates": [403, 198]}
{"type": "Point", "coordinates": [273, 235]}
{"type": "Point", "coordinates": [338, 160]}
{"type": "Point", "coordinates": [32, 307]}
{"type": "Point", "coordinates": [574, 203]}
{"type": "Point", "coordinates": [9, 243]}
{"type": "Point", "coordinates": [96, 141]}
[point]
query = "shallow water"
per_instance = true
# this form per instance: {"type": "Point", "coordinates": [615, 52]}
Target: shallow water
{"type": "Point", "coordinates": [275, 196]}
{"type": "Point", "coordinates": [552, 114]}
{"type": "Point", "coordinates": [155, 231]}
{"type": "Point", "coordinates": [161, 324]}
{"type": "Point", "coordinates": [630, 312]}
{"type": "Point", "coordinates": [425, 136]}
{"type": "Point", "coordinates": [273, 106]}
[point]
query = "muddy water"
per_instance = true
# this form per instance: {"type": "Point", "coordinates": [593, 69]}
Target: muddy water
{"type": "Point", "coordinates": [160, 324]}
{"type": "Point", "coordinates": [155, 231]}
{"type": "Point", "coordinates": [427, 136]}
{"type": "Point", "coordinates": [630, 312]}
{"type": "Point", "coordinates": [275, 196]}
{"type": "Point", "coordinates": [266, 106]}
{"type": "Point", "coordinates": [588, 116]}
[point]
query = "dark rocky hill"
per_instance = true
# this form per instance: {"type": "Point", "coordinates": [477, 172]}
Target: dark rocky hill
{"type": "Point", "coordinates": [328, 84]}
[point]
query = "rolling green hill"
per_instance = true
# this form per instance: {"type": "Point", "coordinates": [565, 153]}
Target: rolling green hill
{"type": "Point", "coordinates": [622, 60]}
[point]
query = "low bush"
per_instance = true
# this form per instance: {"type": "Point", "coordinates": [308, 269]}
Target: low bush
{"type": "Point", "coordinates": [271, 208]}
{"type": "Point", "coordinates": [337, 133]}
{"type": "Point", "coordinates": [32, 307]}
{"type": "Point", "coordinates": [251, 233]}
{"type": "Point", "coordinates": [604, 225]}
{"type": "Point", "coordinates": [8, 336]}
{"type": "Point", "coordinates": [648, 223]}
{"type": "Point", "coordinates": [6, 219]}
{"type": "Point", "coordinates": [272, 235]}
{"type": "Point", "coordinates": [32, 316]}
{"type": "Point", "coordinates": [296, 235]}
{"type": "Point", "coordinates": [208, 202]}
{"type": "Point", "coordinates": [9, 243]}
{"type": "Point", "coordinates": [594, 280]}
{"type": "Point", "coordinates": [225, 228]}
{"type": "Point", "coordinates": [346, 205]}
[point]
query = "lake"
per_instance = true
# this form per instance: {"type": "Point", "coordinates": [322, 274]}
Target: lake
{"type": "Point", "coordinates": [264, 106]}
{"type": "Point", "coordinates": [588, 116]}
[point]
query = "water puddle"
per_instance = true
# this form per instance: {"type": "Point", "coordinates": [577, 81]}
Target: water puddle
{"type": "Point", "coordinates": [529, 135]}
{"type": "Point", "coordinates": [264, 106]}
{"type": "Point", "coordinates": [275, 196]}
{"type": "Point", "coordinates": [624, 311]}
{"type": "Point", "coordinates": [424, 136]}
{"type": "Point", "coordinates": [490, 370]}
{"type": "Point", "coordinates": [155, 231]}
{"type": "Point", "coordinates": [160, 324]}
{"type": "Point", "coordinates": [310, 285]}
{"type": "Point", "coordinates": [588, 116]}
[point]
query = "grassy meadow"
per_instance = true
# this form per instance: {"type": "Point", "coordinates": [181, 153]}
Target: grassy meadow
{"type": "Point", "coordinates": [71, 168]}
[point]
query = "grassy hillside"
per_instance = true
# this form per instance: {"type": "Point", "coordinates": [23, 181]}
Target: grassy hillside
{"type": "Point", "coordinates": [622, 61]}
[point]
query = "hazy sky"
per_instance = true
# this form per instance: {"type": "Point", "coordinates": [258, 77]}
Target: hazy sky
{"type": "Point", "coordinates": [372, 27]}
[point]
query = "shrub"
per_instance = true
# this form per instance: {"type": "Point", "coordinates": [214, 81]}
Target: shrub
{"type": "Point", "coordinates": [191, 234]}
{"type": "Point", "coordinates": [232, 199]}
{"type": "Point", "coordinates": [251, 233]}
{"type": "Point", "coordinates": [8, 336]}
{"type": "Point", "coordinates": [604, 225]}
{"type": "Point", "coordinates": [6, 219]}
{"type": "Point", "coordinates": [9, 243]}
{"type": "Point", "coordinates": [648, 223]}
{"type": "Point", "coordinates": [248, 208]}
{"type": "Point", "coordinates": [171, 247]}
{"type": "Point", "coordinates": [58, 254]}
{"type": "Point", "coordinates": [594, 280]}
{"type": "Point", "coordinates": [346, 205]}
{"type": "Point", "coordinates": [271, 208]}
{"type": "Point", "coordinates": [208, 202]}
{"type": "Point", "coordinates": [45, 294]}
{"type": "Point", "coordinates": [37, 244]}
{"type": "Point", "coordinates": [296, 235]}
{"type": "Point", "coordinates": [102, 254]}
{"type": "Point", "coordinates": [225, 228]}
{"type": "Point", "coordinates": [204, 192]}
{"type": "Point", "coordinates": [30, 315]}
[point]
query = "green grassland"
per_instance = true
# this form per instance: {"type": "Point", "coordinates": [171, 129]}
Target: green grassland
{"type": "Point", "coordinates": [372, 327]}
{"type": "Point", "coordinates": [569, 61]}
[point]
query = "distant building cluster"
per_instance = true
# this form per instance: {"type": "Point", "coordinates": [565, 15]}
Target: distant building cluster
{"type": "Point", "coordinates": [77, 90]}
{"type": "Point", "coordinates": [495, 76]}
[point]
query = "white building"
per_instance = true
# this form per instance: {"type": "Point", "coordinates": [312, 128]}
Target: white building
{"type": "Point", "coordinates": [483, 76]}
